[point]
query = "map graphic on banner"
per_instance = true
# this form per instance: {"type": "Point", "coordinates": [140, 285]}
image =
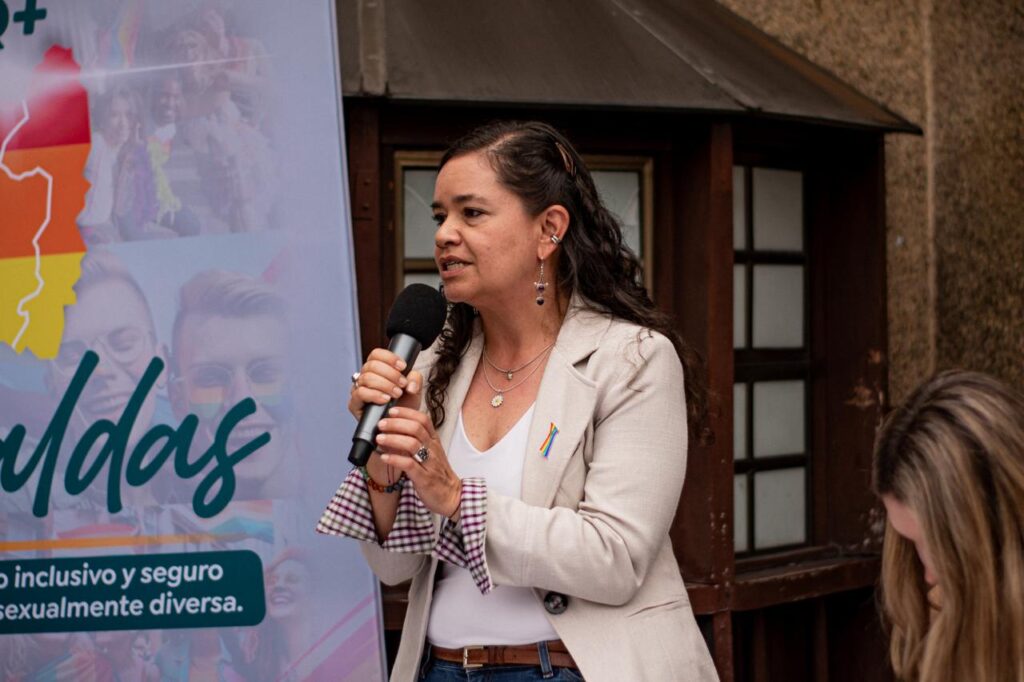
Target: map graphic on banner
{"type": "Point", "coordinates": [177, 325]}
{"type": "Point", "coordinates": [44, 144]}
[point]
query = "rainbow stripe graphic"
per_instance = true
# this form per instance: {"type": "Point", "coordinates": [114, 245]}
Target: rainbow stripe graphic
{"type": "Point", "coordinates": [44, 144]}
{"type": "Point", "coordinates": [545, 447]}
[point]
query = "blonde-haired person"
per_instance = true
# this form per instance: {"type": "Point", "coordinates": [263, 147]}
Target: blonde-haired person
{"type": "Point", "coordinates": [949, 467]}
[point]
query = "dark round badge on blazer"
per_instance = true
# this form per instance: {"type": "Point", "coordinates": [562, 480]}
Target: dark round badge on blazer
{"type": "Point", "coordinates": [555, 603]}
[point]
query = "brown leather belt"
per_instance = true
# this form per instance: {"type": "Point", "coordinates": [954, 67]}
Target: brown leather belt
{"type": "Point", "coordinates": [524, 654]}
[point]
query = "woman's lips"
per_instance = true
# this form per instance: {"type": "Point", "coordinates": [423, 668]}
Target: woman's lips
{"type": "Point", "coordinates": [281, 597]}
{"type": "Point", "coordinates": [452, 268]}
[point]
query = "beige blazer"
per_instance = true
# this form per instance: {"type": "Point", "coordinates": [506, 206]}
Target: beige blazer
{"type": "Point", "coordinates": [594, 516]}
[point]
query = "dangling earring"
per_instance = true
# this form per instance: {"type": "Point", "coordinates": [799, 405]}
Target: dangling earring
{"type": "Point", "coordinates": [541, 285]}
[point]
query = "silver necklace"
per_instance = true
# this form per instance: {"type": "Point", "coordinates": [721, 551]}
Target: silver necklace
{"type": "Point", "coordinates": [509, 372]}
{"type": "Point", "coordinates": [499, 393]}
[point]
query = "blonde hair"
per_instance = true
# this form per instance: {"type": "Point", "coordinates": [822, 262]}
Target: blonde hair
{"type": "Point", "coordinates": [954, 454]}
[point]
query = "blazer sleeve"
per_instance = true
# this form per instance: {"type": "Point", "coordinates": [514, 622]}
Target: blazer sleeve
{"type": "Point", "coordinates": [413, 537]}
{"type": "Point", "coordinates": [602, 550]}
{"type": "Point", "coordinates": [392, 568]}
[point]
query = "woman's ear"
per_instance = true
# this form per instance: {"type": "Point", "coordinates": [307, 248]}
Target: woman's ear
{"type": "Point", "coordinates": [554, 222]}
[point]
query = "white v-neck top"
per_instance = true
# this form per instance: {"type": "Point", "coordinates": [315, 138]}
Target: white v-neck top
{"type": "Point", "coordinates": [459, 615]}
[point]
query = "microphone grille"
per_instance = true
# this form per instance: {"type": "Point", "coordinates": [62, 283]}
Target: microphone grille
{"type": "Point", "coordinates": [419, 311]}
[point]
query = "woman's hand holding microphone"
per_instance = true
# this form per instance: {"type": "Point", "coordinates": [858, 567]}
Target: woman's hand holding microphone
{"type": "Point", "coordinates": [407, 439]}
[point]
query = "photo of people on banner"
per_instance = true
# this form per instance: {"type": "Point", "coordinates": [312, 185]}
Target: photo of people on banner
{"type": "Point", "coordinates": [183, 151]}
{"type": "Point", "coordinates": [162, 468]}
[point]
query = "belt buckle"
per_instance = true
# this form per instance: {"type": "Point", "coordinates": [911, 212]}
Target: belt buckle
{"type": "Point", "coordinates": [466, 665]}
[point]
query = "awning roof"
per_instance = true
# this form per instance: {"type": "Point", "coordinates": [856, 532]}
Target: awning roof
{"type": "Point", "coordinates": [686, 55]}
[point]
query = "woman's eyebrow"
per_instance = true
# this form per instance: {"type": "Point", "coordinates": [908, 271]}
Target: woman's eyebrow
{"type": "Point", "coordinates": [461, 199]}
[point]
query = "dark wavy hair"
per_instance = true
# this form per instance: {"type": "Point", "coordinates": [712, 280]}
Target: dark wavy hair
{"type": "Point", "coordinates": [540, 166]}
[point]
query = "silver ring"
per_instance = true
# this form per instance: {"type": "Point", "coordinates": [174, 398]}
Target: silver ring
{"type": "Point", "coordinates": [555, 240]}
{"type": "Point", "coordinates": [421, 455]}
{"type": "Point", "coordinates": [355, 379]}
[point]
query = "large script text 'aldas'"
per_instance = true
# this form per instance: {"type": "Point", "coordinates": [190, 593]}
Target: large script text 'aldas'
{"type": "Point", "coordinates": [137, 467]}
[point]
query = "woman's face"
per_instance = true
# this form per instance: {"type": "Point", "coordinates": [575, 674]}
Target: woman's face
{"type": "Point", "coordinates": [487, 245]}
{"type": "Point", "coordinates": [905, 521]}
{"type": "Point", "coordinates": [287, 589]}
{"type": "Point", "coordinates": [120, 119]}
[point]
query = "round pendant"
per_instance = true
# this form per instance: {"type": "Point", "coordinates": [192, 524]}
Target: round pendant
{"type": "Point", "coordinates": [497, 400]}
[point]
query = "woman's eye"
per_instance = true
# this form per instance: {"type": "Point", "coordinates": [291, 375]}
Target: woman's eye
{"type": "Point", "coordinates": [472, 213]}
{"type": "Point", "coordinates": [438, 218]}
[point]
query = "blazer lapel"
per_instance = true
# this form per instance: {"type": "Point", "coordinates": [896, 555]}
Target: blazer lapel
{"type": "Point", "coordinates": [565, 401]}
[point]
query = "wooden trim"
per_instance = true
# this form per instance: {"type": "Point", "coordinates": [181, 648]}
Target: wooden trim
{"type": "Point", "coordinates": [750, 465]}
{"type": "Point", "coordinates": [362, 133]}
{"type": "Point", "coordinates": [722, 645]}
{"type": "Point", "coordinates": [419, 265]}
{"type": "Point", "coordinates": [702, 293]}
{"type": "Point", "coordinates": [404, 160]}
{"type": "Point", "coordinates": [784, 584]}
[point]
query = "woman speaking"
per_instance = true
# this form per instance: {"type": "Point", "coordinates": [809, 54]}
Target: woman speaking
{"type": "Point", "coordinates": [528, 475]}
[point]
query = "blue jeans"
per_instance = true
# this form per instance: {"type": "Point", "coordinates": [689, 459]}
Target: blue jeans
{"type": "Point", "coordinates": [434, 670]}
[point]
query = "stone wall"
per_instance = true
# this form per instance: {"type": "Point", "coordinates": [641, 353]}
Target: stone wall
{"type": "Point", "coordinates": [954, 197]}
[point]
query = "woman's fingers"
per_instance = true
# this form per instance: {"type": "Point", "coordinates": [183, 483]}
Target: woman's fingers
{"type": "Point", "coordinates": [396, 426]}
{"type": "Point", "coordinates": [379, 370]}
{"type": "Point", "coordinates": [396, 443]}
{"type": "Point", "coordinates": [421, 418]}
{"type": "Point", "coordinates": [411, 397]}
{"type": "Point", "coordinates": [380, 380]}
{"type": "Point", "coordinates": [387, 357]}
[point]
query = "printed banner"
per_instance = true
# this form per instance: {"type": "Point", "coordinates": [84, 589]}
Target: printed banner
{"type": "Point", "coordinates": [177, 325]}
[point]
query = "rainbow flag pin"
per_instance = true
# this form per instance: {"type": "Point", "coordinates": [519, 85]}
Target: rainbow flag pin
{"type": "Point", "coordinates": [545, 447]}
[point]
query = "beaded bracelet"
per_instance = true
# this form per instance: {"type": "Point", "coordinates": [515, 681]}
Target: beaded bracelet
{"type": "Point", "coordinates": [373, 485]}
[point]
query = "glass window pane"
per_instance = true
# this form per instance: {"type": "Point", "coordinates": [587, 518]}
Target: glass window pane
{"type": "Point", "coordinates": [431, 279]}
{"type": "Point", "coordinates": [739, 421]}
{"type": "Point", "coordinates": [620, 192]}
{"type": "Point", "coordinates": [778, 209]}
{"type": "Point", "coordinates": [779, 504]}
{"type": "Point", "coordinates": [739, 306]}
{"type": "Point", "coordinates": [417, 195]}
{"type": "Point", "coordinates": [739, 208]}
{"type": "Point", "coordinates": [739, 513]}
{"type": "Point", "coordinates": [779, 418]}
{"type": "Point", "coordinates": [778, 306]}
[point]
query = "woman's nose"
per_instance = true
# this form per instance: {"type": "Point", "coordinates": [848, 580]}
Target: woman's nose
{"type": "Point", "coordinates": [446, 234]}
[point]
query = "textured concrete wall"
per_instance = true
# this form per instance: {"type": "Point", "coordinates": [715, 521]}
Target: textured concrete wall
{"type": "Point", "coordinates": [978, 162]}
{"type": "Point", "coordinates": [955, 198]}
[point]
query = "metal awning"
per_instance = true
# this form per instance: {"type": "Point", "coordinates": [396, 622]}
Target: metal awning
{"type": "Point", "coordinates": [682, 55]}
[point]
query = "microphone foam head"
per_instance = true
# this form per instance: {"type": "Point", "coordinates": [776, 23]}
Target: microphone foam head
{"type": "Point", "coordinates": [419, 311]}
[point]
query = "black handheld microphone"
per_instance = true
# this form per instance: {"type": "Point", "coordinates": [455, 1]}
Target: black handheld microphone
{"type": "Point", "coordinates": [415, 321]}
